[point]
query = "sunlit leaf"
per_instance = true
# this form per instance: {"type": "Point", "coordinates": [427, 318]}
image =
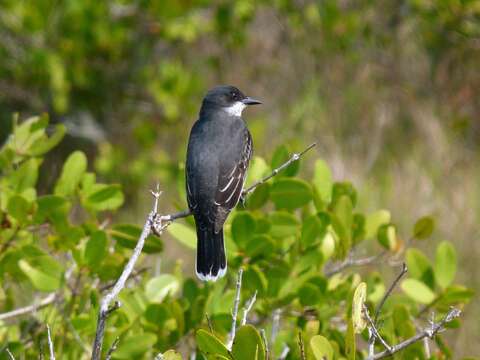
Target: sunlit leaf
{"type": "Point", "coordinates": [445, 264]}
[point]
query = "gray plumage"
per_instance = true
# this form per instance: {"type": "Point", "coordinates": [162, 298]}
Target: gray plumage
{"type": "Point", "coordinates": [218, 154]}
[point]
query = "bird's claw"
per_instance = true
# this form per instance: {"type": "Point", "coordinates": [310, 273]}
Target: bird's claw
{"type": "Point", "coordinates": [158, 223]}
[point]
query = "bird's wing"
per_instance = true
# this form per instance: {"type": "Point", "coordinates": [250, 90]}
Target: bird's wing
{"type": "Point", "coordinates": [230, 183]}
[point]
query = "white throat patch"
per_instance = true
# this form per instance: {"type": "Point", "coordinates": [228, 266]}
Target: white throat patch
{"type": "Point", "coordinates": [236, 109]}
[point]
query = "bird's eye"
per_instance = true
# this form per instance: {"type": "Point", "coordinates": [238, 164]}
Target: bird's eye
{"type": "Point", "coordinates": [234, 95]}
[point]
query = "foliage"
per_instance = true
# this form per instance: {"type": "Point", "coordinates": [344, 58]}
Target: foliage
{"type": "Point", "coordinates": [288, 239]}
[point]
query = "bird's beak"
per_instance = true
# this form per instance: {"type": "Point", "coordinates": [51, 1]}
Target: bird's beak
{"type": "Point", "coordinates": [251, 101]}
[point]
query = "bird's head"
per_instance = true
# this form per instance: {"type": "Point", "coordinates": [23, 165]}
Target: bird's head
{"type": "Point", "coordinates": [229, 99]}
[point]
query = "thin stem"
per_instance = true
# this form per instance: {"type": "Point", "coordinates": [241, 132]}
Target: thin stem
{"type": "Point", "coordinates": [105, 308]}
{"type": "Point", "coordinates": [248, 306]}
{"type": "Point", "coordinates": [209, 322]}
{"type": "Point", "coordinates": [10, 355]}
{"type": "Point", "coordinates": [112, 348]}
{"type": "Point", "coordinates": [429, 332]}
{"type": "Point", "coordinates": [265, 343]}
{"type": "Point", "coordinates": [30, 308]}
{"type": "Point", "coordinates": [389, 291]}
{"type": "Point", "coordinates": [300, 344]}
{"type": "Point", "coordinates": [373, 330]}
{"type": "Point", "coordinates": [50, 344]}
{"type": "Point", "coordinates": [293, 158]}
{"type": "Point", "coordinates": [236, 302]}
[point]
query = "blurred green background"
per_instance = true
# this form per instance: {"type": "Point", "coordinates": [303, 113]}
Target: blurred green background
{"type": "Point", "coordinates": [386, 88]}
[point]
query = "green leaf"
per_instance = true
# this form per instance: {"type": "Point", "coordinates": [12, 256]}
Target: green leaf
{"type": "Point", "coordinates": [344, 188]}
{"type": "Point", "coordinates": [283, 224]}
{"type": "Point", "coordinates": [359, 298]}
{"type": "Point", "coordinates": [25, 176]}
{"type": "Point", "coordinates": [259, 197]}
{"type": "Point", "coordinates": [96, 249]}
{"type": "Point", "coordinates": [183, 234]}
{"type": "Point", "coordinates": [445, 264]}
{"type": "Point", "coordinates": [350, 344]}
{"type": "Point", "coordinates": [243, 227]}
{"type": "Point", "coordinates": [321, 348]}
{"type": "Point", "coordinates": [72, 172]}
{"type": "Point", "coordinates": [314, 227]}
{"type": "Point", "coordinates": [19, 208]}
{"type": "Point", "coordinates": [44, 273]}
{"type": "Point", "coordinates": [257, 169]}
{"type": "Point", "coordinates": [323, 180]}
{"type": "Point", "coordinates": [134, 346]}
{"type": "Point", "coordinates": [417, 291]}
{"type": "Point", "coordinates": [374, 221]}
{"type": "Point", "coordinates": [171, 355]}
{"type": "Point", "coordinates": [248, 344]}
{"type": "Point", "coordinates": [342, 224]}
{"type": "Point", "coordinates": [44, 145]}
{"type": "Point", "coordinates": [309, 295]}
{"type": "Point", "coordinates": [127, 236]}
{"type": "Point", "coordinates": [157, 314]}
{"type": "Point", "coordinates": [159, 287]}
{"type": "Point", "coordinates": [209, 344]}
{"type": "Point", "coordinates": [419, 266]}
{"type": "Point", "coordinates": [387, 236]}
{"type": "Point", "coordinates": [104, 197]}
{"type": "Point", "coordinates": [290, 194]}
{"type": "Point", "coordinates": [424, 227]}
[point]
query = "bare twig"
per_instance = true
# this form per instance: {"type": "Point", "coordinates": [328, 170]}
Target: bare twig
{"type": "Point", "coordinates": [209, 323]}
{"type": "Point", "coordinates": [161, 222]}
{"type": "Point", "coordinates": [113, 347]}
{"type": "Point", "coordinates": [105, 308]}
{"type": "Point", "coordinates": [248, 306]}
{"type": "Point", "coordinates": [236, 302]}
{"type": "Point", "coordinates": [50, 344]}
{"type": "Point", "coordinates": [275, 327]}
{"type": "Point", "coordinates": [373, 330]}
{"type": "Point", "coordinates": [10, 355]}
{"type": "Point", "coordinates": [30, 308]}
{"type": "Point", "coordinates": [351, 262]}
{"type": "Point", "coordinates": [285, 352]}
{"type": "Point", "coordinates": [429, 332]}
{"type": "Point", "coordinates": [265, 343]}
{"type": "Point", "coordinates": [293, 158]}
{"type": "Point", "coordinates": [387, 294]}
{"type": "Point", "coordinates": [300, 344]}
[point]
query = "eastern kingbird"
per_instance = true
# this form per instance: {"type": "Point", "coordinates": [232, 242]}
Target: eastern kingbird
{"type": "Point", "coordinates": [219, 150]}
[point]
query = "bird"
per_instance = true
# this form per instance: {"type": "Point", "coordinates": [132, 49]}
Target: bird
{"type": "Point", "coordinates": [218, 154]}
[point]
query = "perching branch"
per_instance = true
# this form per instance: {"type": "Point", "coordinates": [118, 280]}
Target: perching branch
{"type": "Point", "coordinates": [293, 158]}
{"type": "Point", "coordinates": [30, 308]}
{"type": "Point", "coordinates": [236, 302]}
{"type": "Point", "coordinates": [105, 308]}
{"type": "Point", "coordinates": [429, 332]}
{"type": "Point", "coordinates": [374, 334]}
{"type": "Point", "coordinates": [50, 344]}
{"type": "Point", "coordinates": [161, 222]}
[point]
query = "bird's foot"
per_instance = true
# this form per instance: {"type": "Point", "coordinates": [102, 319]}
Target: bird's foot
{"type": "Point", "coordinates": [159, 223]}
{"type": "Point", "coordinates": [243, 200]}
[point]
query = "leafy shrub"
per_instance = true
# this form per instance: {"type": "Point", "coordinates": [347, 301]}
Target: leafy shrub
{"type": "Point", "coordinates": [301, 245]}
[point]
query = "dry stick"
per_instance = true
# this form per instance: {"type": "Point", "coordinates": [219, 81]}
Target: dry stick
{"type": "Point", "coordinates": [373, 330]}
{"type": "Point", "coordinates": [159, 225]}
{"type": "Point", "coordinates": [265, 343]}
{"type": "Point", "coordinates": [300, 344]}
{"type": "Point", "coordinates": [275, 327]}
{"type": "Point", "coordinates": [429, 332]}
{"type": "Point", "coordinates": [248, 306]}
{"type": "Point", "coordinates": [105, 309]}
{"type": "Point", "coordinates": [30, 308]}
{"type": "Point", "coordinates": [50, 344]}
{"type": "Point", "coordinates": [350, 262]}
{"type": "Point", "coordinates": [293, 158]}
{"type": "Point", "coordinates": [10, 355]}
{"type": "Point", "coordinates": [236, 302]}
{"type": "Point", "coordinates": [112, 348]}
{"type": "Point", "coordinates": [389, 291]}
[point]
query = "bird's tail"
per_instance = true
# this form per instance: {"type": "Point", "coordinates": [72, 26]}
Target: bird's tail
{"type": "Point", "coordinates": [211, 261]}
